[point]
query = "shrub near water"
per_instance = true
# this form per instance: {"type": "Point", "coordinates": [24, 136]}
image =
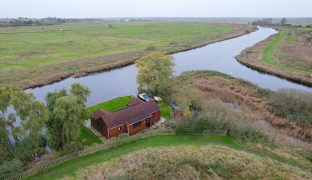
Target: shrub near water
{"type": "Point", "coordinates": [217, 116]}
{"type": "Point", "coordinates": [241, 130]}
{"type": "Point", "coordinates": [292, 104]}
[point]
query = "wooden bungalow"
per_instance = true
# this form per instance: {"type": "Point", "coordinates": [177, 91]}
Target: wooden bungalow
{"type": "Point", "coordinates": [137, 116]}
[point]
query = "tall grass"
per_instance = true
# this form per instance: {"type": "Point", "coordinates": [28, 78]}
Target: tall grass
{"type": "Point", "coordinates": [292, 104]}
{"type": "Point", "coordinates": [188, 162]}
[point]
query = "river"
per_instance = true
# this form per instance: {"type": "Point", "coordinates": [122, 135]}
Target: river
{"type": "Point", "coordinates": [218, 56]}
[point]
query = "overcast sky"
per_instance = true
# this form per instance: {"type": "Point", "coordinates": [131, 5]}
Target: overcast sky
{"type": "Point", "coordinates": [155, 8]}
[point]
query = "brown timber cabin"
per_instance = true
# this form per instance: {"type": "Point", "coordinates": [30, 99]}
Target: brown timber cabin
{"type": "Point", "coordinates": [132, 119]}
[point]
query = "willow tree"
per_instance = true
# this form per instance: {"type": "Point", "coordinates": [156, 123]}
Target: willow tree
{"type": "Point", "coordinates": [32, 114]}
{"type": "Point", "coordinates": [155, 75]}
{"type": "Point", "coordinates": [67, 116]}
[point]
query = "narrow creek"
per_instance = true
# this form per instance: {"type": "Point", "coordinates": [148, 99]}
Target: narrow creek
{"type": "Point", "coordinates": [218, 56]}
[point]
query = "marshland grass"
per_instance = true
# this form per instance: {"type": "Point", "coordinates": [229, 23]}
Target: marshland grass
{"type": "Point", "coordinates": [31, 56]}
{"type": "Point", "coordinates": [287, 55]}
{"type": "Point", "coordinates": [287, 112]}
{"type": "Point", "coordinates": [189, 162]}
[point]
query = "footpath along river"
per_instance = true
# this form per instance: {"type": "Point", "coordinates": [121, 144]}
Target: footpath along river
{"type": "Point", "coordinates": [218, 56]}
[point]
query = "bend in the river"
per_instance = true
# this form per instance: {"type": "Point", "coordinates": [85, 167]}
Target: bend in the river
{"type": "Point", "coordinates": [218, 56]}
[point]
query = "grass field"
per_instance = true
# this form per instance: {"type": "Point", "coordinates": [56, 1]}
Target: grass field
{"type": "Point", "coordinates": [68, 42]}
{"type": "Point", "coordinates": [38, 55]}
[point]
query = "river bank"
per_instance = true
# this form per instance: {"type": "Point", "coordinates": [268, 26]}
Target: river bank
{"type": "Point", "coordinates": [216, 56]}
{"type": "Point", "coordinates": [285, 56]}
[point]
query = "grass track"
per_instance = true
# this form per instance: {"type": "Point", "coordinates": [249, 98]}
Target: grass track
{"type": "Point", "coordinates": [268, 52]}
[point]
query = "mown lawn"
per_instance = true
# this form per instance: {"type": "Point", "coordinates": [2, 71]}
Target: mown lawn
{"type": "Point", "coordinates": [68, 168]}
{"type": "Point", "coordinates": [111, 105]}
{"type": "Point", "coordinates": [268, 52]}
{"type": "Point", "coordinates": [165, 110]}
{"type": "Point", "coordinates": [88, 138]}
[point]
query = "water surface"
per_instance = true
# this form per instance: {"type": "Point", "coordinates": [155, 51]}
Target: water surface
{"type": "Point", "coordinates": [218, 56]}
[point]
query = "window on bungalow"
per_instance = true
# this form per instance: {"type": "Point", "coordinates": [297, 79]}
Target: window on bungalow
{"type": "Point", "coordinates": [137, 124]}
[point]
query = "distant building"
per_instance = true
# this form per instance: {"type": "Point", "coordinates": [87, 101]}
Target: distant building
{"type": "Point", "coordinates": [137, 116]}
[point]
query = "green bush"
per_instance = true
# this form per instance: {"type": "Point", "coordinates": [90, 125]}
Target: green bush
{"type": "Point", "coordinates": [26, 150]}
{"type": "Point", "coordinates": [247, 134]}
{"type": "Point", "coordinates": [242, 131]}
{"type": "Point", "coordinates": [223, 169]}
{"type": "Point", "coordinates": [150, 48]}
{"type": "Point", "coordinates": [5, 152]}
{"type": "Point", "coordinates": [71, 147]}
{"type": "Point", "coordinates": [292, 104]}
{"type": "Point", "coordinates": [194, 127]}
{"type": "Point", "coordinates": [263, 92]}
{"type": "Point", "coordinates": [10, 167]}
